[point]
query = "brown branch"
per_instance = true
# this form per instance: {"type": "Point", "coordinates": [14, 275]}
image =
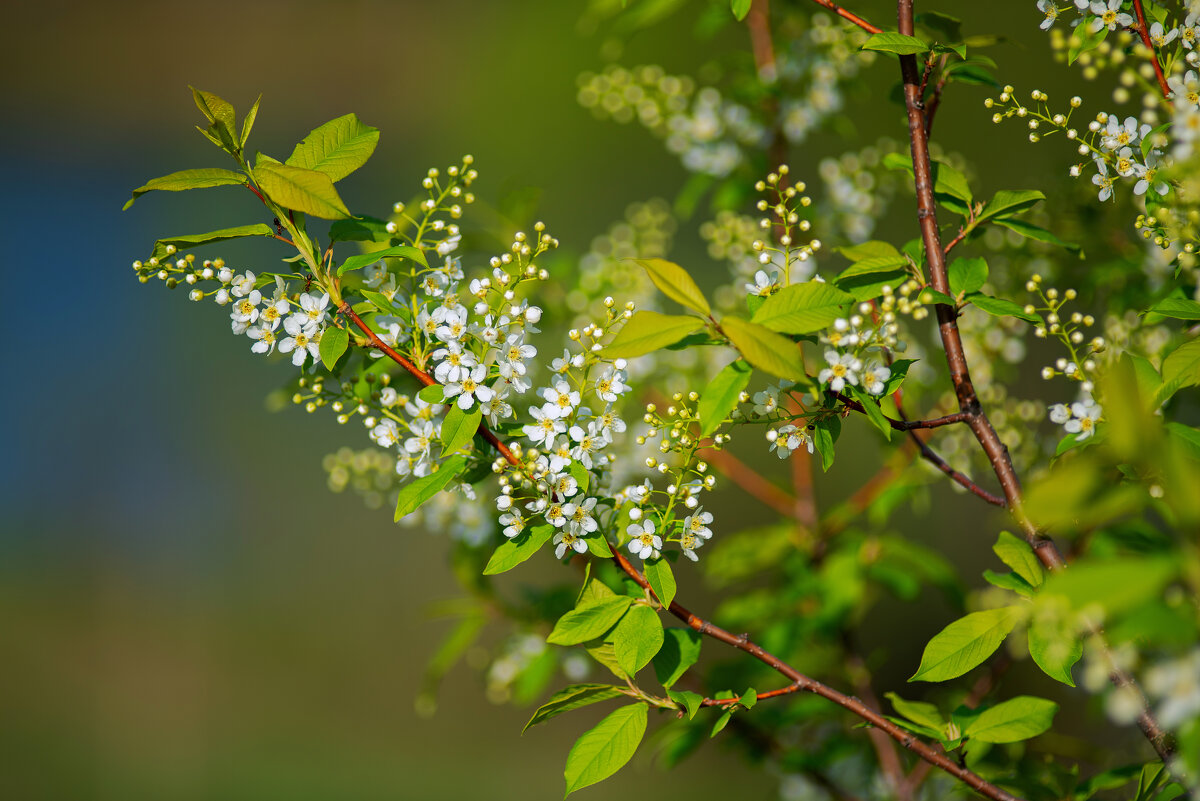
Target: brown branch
{"type": "Point", "coordinates": [751, 481]}
{"type": "Point", "coordinates": [931, 106]}
{"type": "Point", "coordinates": [807, 684]}
{"type": "Point", "coordinates": [788, 690]}
{"type": "Point", "coordinates": [848, 16]}
{"type": "Point", "coordinates": [885, 749]}
{"type": "Point", "coordinates": [906, 425]}
{"type": "Point", "coordinates": [960, 376]}
{"type": "Point", "coordinates": [1144, 31]}
{"type": "Point", "coordinates": [803, 682]}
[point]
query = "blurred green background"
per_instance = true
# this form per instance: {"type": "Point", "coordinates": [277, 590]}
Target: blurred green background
{"type": "Point", "coordinates": [185, 611]}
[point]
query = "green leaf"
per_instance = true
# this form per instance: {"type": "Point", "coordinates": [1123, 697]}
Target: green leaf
{"type": "Point", "coordinates": [581, 475]}
{"type": "Point", "coordinates": [871, 409]}
{"type": "Point", "coordinates": [398, 252]}
{"type": "Point", "coordinates": [1180, 369]}
{"type": "Point", "coordinates": [589, 621]}
{"type": "Point", "coordinates": [872, 266]}
{"type": "Point", "coordinates": [1179, 308]}
{"type": "Point", "coordinates": [690, 701]}
{"type": "Point", "coordinates": [434, 393]}
{"type": "Point", "coordinates": [1007, 202]}
{"type": "Point", "coordinates": [248, 122]}
{"type": "Point", "coordinates": [221, 114]}
{"type": "Point", "coordinates": [674, 282]}
{"type": "Point", "coordinates": [648, 331]}
{"type": "Point", "coordinates": [299, 189]}
{"type": "Point", "coordinates": [1055, 650]}
{"type": "Point", "coordinates": [827, 430]}
{"type": "Point", "coordinates": [740, 8]}
{"type": "Point", "coordinates": [571, 697]}
{"type": "Point", "coordinates": [919, 712]}
{"type": "Point", "coordinates": [511, 553]}
{"type": "Point", "coordinates": [459, 427]}
{"type": "Point", "coordinates": [1012, 721]}
{"type": "Point", "coordinates": [873, 249]}
{"type": "Point", "coordinates": [965, 643]}
{"type": "Point", "coordinates": [947, 181]}
{"type": "Point", "coordinates": [1115, 585]}
{"type": "Point", "coordinates": [188, 179]}
{"type": "Point", "coordinates": [417, 492]}
{"type": "Point", "coordinates": [637, 638]}
{"type": "Point", "coordinates": [967, 275]}
{"type": "Point", "coordinates": [1036, 233]}
{"type": "Point", "coordinates": [598, 546]}
{"type": "Point", "coordinates": [722, 722]}
{"type": "Point", "coordinates": [359, 229]}
{"type": "Point", "coordinates": [898, 43]}
{"type": "Point", "coordinates": [720, 397]}
{"type": "Point", "coordinates": [749, 698]}
{"type": "Point", "coordinates": [1008, 581]}
{"type": "Point", "coordinates": [999, 307]}
{"type": "Point", "coordinates": [380, 301]}
{"type": "Point", "coordinates": [662, 580]}
{"type": "Point", "coordinates": [334, 342]}
{"type": "Point", "coordinates": [605, 749]}
{"type": "Point", "coordinates": [195, 240]}
{"type": "Point", "coordinates": [770, 352]}
{"type": "Point", "coordinates": [803, 308]}
{"type": "Point", "coordinates": [680, 650]}
{"type": "Point", "coordinates": [337, 148]}
{"type": "Point", "coordinates": [1017, 554]}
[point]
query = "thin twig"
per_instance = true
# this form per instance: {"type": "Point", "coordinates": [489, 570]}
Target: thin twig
{"type": "Point", "coordinates": [1144, 32]}
{"type": "Point", "coordinates": [848, 16]}
{"type": "Point", "coordinates": [907, 425]}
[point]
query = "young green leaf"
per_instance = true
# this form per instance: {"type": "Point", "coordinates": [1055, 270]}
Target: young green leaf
{"type": "Point", "coordinates": [720, 397]}
{"type": "Point", "coordinates": [398, 252]}
{"type": "Point", "coordinates": [1055, 649]}
{"type": "Point", "coordinates": [740, 8]}
{"type": "Point", "coordinates": [1008, 202]}
{"type": "Point", "coordinates": [965, 643]}
{"type": "Point", "coordinates": [690, 701]}
{"type": "Point", "coordinates": [337, 148]}
{"type": "Point", "coordinates": [674, 282]}
{"type": "Point", "coordinates": [188, 179]}
{"type": "Point", "coordinates": [999, 307]}
{"type": "Point", "coordinates": [1012, 721]}
{"type": "Point", "coordinates": [662, 580]}
{"type": "Point", "coordinates": [221, 116]}
{"type": "Point", "coordinates": [871, 408]}
{"type": "Point", "coordinates": [637, 638]}
{"type": "Point", "coordinates": [648, 331]}
{"type": "Point", "coordinates": [299, 189]}
{"type": "Point", "coordinates": [770, 352]}
{"type": "Point", "coordinates": [459, 427]}
{"type": "Point", "coordinates": [195, 240]}
{"type": "Point", "coordinates": [967, 275]}
{"type": "Point", "coordinates": [680, 650]}
{"type": "Point", "coordinates": [248, 122]}
{"type": "Point", "coordinates": [898, 43]}
{"type": "Point", "coordinates": [589, 621]}
{"type": "Point", "coordinates": [434, 393]}
{"type": "Point", "coordinates": [581, 475]}
{"type": "Point", "coordinates": [571, 697]}
{"type": "Point", "coordinates": [605, 749]}
{"type": "Point", "coordinates": [511, 553]}
{"type": "Point", "coordinates": [919, 712]}
{"type": "Point", "coordinates": [1179, 308]}
{"type": "Point", "coordinates": [803, 308]}
{"type": "Point", "coordinates": [1181, 368]}
{"type": "Point", "coordinates": [333, 344]}
{"type": "Point", "coordinates": [418, 491]}
{"type": "Point", "coordinates": [1017, 554]}
{"type": "Point", "coordinates": [825, 433]}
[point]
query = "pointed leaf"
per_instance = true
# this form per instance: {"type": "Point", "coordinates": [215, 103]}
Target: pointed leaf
{"type": "Point", "coordinates": [999, 307]}
{"type": "Point", "coordinates": [248, 122]}
{"type": "Point", "coordinates": [417, 492]}
{"type": "Point", "coordinates": [195, 240]}
{"type": "Point", "coordinates": [763, 348]}
{"type": "Point", "coordinates": [674, 282]}
{"type": "Point", "coordinates": [299, 189]}
{"type": "Point", "coordinates": [188, 179]}
{"type": "Point", "coordinates": [740, 8]}
{"type": "Point", "coordinates": [662, 580]}
{"type": "Point", "coordinates": [720, 397]}
{"type": "Point", "coordinates": [803, 308]}
{"type": "Point", "coordinates": [680, 650]}
{"type": "Point", "coordinates": [337, 148]}
{"type": "Point", "coordinates": [605, 749]}
{"type": "Point", "coordinates": [334, 342]}
{"type": "Point", "coordinates": [1180, 369]}
{"type": "Point", "coordinates": [1179, 308]}
{"type": "Point", "coordinates": [589, 621]}
{"type": "Point", "coordinates": [398, 252]}
{"type": "Point", "coordinates": [511, 553]}
{"type": "Point", "coordinates": [898, 43]}
{"type": "Point", "coordinates": [648, 331]}
{"type": "Point", "coordinates": [690, 701]}
{"type": "Point", "coordinates": [919, 712]}
{"type": "Point", "coordinates": [1012, 721]}
{"type": "Point", "coordinates": [637, 638]}
{"type": "Point", "coordinates": [1055, 650]}
{"type": "Point", "coordinates": [221, 116]}
{"type": "Point", "coordinates": [965, 644]}
{"type": "Point", "coordinates": [967, 275]}
{"type": "Point", "coordinates": [459, 427]}
{"type": "Point", "coordinates": [1017, 554]}
{"type": "Point", "coordinates": [573, 697]}
{"type": "Point", "coordinates": [1007, 202]}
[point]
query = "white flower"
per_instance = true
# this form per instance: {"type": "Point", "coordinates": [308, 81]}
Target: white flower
{"type": "Point", "coordinates": [1103, 180]}
{"type": "Point", "coordinates": [242, 284]}
{"type": "Point", "coordinates": [1059, 413]}
{"type": "Point", "coordinates": [764, 284]}
{"type": "Point", "coordinates": [453, 323]}
{"type": "Point", "coordinates": [567, 539]}
{"type": "Point", "coordinates": [696, 524]}
{"type": "Point", "coordinates": [544, 428]}
{"type": "Point", "coordinates": [448, 245]}
{"type": "Point", "coordinates": [588, 443]}
{"type": "Point", "coordinates": [419, 444]}
{"type": "Point", "coordinates": [388, 397]}
{"type": "Point", "coordinates": [301, 341]}
{"type": "Point", "coordinates": [265, 336]}
{"type": "Point", "coordinates": [766, 401]}
{"type": "Point", "coordinates": [514, 352]}
{"type": "Point", "coordinates": [1122, 134]}
{"type": "Point", "coordinates": [561, 400]}
{"type": "Point", "coordinates": [610, 384]}
{"type": "Point", "coordinates": [579, 517]}
{"type": "Point", "coordinates": [245, 312]}
{"type": "Point", "coordinates": [434, 283]}
{"type": "Point", "coordinates": [514, 524]}
{"type": "Point", "coordinates": [555, 515]}
{"type": "Point", "coordinates": [1108, 15]}
{"type": "Point", "coordinates": [1189, 32]}
{"type": "Point", "coordinates": [1050, 9]}
{"type": "Point", "coordinates": [688, 543]}
{"type": "Point", "coordinates": [1148, 177]}
{"type": "Point", "coordinates": [1160, 37]}
{"type": "Point", "coordinates": [875, 379]}
{"type": "Point", "coordinates": [562, 485]}
{"type": "Point", "coordinates": [645, 543]}
{"type": "Point", "coordinates": [788, 438]}
{"type": "Point", "coordinates": [567, 362]}
{"type": "Point", "coordinates": [453, 363]}
{"type": "Point", "coordinates": [313, 308]}
{"type": "Point", "coordinates": [843, 369]}
{"type": "Point", "coordinates": [469, 387]}
{"type": "Point", "coordinates": [1084, 417]}
{"type": "Point", "coordinates": [496, 409]}
{"type": "Point", "coordinates": [386, 434]}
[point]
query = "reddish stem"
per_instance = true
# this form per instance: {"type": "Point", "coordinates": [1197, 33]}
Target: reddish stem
{"type": "Point", "coordinates": [846, 15]}
{"type": "Point", "coordinates": [1144, 31]}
